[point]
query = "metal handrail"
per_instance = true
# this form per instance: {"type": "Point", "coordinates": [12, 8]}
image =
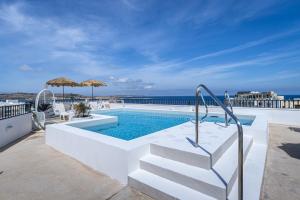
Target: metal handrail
{"type": "Point", "coordinates": [240, 134]}
{"type": "Point", "coordinates": [206, 108]}
{"type": "Point", "coordinates": [227, 103]}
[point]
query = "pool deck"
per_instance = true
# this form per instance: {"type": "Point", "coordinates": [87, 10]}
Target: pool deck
{"type": "Point", "coordinates": [282, 177]}
{"type": "Point", "coordinates": [30, 169]}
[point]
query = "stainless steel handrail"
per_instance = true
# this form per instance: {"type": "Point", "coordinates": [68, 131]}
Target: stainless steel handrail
{"type": "Point", "coordinates": [240, 134]}
{"type": "Point", "coordinates": [206, 108]}
{"type": "Point", "coordinates": [227, 103]}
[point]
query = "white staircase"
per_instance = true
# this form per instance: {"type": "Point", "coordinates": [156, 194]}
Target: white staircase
{"type": "Point", "coordinates": [175, 169]}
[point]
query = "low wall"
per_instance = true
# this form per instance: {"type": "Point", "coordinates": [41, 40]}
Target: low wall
{"type": "Point", "coordinates": [14, 128]}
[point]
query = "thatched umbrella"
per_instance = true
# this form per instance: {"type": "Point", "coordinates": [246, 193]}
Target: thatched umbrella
{"type": "Point", "coordinates": [61, 81]}
{"type": "Point", "coordinates": [93, 83]}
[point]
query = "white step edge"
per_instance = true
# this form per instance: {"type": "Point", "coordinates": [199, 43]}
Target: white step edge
{"type": "Point", "coordinates": [202, 180]}
{"type": "Point", "coordinates": [192, 156]}
{"type": "Point", "coordinates": [162, 189]}
{"type": "Point", "coordinates": [227, 164]}
{"type": "Point", "coordinates": [222, 148]}
{"type": "Point", "coordinates": [199, 160]}
{"type": "Point", "coordinates": [253, 174]}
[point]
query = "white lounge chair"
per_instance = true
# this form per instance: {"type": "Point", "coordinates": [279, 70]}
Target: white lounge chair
{"type": "Point", "coordinates": [105, 105]}
{"type": "Point", "coordinates": [59, 110]}
{"type": "Point", "coordinates": [99, 105]}
{"type": "Point", "coordinates": [94, 105]}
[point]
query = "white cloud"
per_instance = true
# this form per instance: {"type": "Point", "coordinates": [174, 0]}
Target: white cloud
{"type": "Point", "coordinates": [131, 5]}
{"type": "Point", "coordinates": [25, 68]}
{"type": "Point", "coordinates": [278, 76]}
{"type": "Point", "coordinates": [213, 74]}
{"type": "Point", "coordinates": [247, 45]}
{"type": "Point", "coordinates": [148, 86]}
{"type": "Point", "coordinates": [96, 48]}
{"type": "Point", "coordinates": [200, 13]}
{"type": "Point", "coordinates": [69, 37]}
{"type": "Point", "coordinates": [87, 46]}
{"type": "Point", "coordinates": [130, 84]}
{"type": "Point", "coordinates": [11, 15]}
{"type": "Point", "coordinates": [122, 80]}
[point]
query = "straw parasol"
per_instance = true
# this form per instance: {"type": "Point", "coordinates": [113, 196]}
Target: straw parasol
{"type": "Point", "coordinates": [93, 83]}
{"type": "Point", "coordinates": [62, 81]}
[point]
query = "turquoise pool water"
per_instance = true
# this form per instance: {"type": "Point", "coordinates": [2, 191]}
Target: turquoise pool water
{"type": "Point", "coordinates": [133, 124]}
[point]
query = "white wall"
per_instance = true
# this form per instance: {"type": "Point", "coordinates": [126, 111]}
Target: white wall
{"type": "Point", "coordinates": [94, 151]}
{"type": "Point", "coordinates": [14, 128]}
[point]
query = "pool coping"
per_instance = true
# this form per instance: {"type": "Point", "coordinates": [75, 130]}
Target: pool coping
{"type": "Point", "coordinates": [128, 145]}
{"type": "Point", "coordinates": [116, 157]}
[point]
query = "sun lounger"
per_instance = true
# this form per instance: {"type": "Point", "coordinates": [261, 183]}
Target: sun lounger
{"type": "Point", "coordinates": [59, 110]}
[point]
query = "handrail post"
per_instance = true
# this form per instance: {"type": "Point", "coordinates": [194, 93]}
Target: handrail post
{"type": "Point", "coordinates": [197, 116]}
{"type": "Point", "coordinates": [240, 133]}
{"type": "Point", "coordinates": [240, 161]}
{"type": "Point", "coordinates": [226, 104]}
{"type": "Point", "coordinates": [198, 91]}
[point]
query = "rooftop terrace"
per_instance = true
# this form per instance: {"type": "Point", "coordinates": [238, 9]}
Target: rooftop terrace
{"type": "Point", "coordinates": [29, 167]}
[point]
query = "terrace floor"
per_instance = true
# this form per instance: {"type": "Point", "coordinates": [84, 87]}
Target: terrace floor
{"type": "Point", "coordinates": [29, 169]}
{"type": "Point", "coordinates": [282, 177]}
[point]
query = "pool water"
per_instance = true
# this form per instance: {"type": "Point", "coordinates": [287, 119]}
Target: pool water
{"type": "Point", "coordinates": [133, 124]}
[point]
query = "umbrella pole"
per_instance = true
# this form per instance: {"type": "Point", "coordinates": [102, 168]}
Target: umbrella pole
{"type": "Point", "coordinates": [63, 93]}
{"type": "Point", "coordinates": [92, 93]}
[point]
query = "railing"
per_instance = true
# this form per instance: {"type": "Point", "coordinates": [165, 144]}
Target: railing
{"type": "Point", "coordinates": [9, 111]}
{"type": "Point", "coordinates": [293, 104]}
{"type": "Point", "coordinates": [240, 133]}
{"type": "Point", "coordinates": [289, 104]}
{"type": "Point", "coordinates": [227, 103]}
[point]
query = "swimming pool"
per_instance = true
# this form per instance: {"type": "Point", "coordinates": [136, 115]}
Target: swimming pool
{"type": "Point", "coordinates": [137, 123]}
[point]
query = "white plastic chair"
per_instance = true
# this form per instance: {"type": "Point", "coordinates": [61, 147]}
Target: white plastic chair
{"type": "Point", "coordinates": [59, 109]}
{"type": "Point", "coordinates": [105, 105]}
{"type": "Point", "coordinates": [94, 105]}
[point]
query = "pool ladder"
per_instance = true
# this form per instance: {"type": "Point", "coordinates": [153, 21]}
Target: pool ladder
{"type": "Point", "coordinates": [238, 124]}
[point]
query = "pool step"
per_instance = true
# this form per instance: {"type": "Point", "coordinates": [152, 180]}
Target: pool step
{"type": "Point", "coordinates": [163, 189]}
{"type": "Point", "coordinates": [195, 157]}
{"type": "Point", "coordinates": [227, 165]}
{"type": "Point", "coordinates": [213, 144]}
{"type": "Point", "coordinates": [199, 179]}
{"type": "Point", "coordinates": [169, 165]}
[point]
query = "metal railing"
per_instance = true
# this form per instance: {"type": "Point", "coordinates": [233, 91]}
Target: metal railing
{"type": "Point", "coordinates": [284, 104]}
{"type": "Point", "coordinates": [227, 103]}
{"type": "Point", "coordinates": [9, 111]}
{"type": "Point", "coordinates": [240, 133]}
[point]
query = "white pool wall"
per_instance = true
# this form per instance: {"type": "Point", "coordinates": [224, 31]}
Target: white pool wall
{"type": "Point", "coordinates": [100, 152]}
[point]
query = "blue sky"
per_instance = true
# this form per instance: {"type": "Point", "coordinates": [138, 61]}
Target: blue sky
{"type": "Point", "coordinates": [151, 47]}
